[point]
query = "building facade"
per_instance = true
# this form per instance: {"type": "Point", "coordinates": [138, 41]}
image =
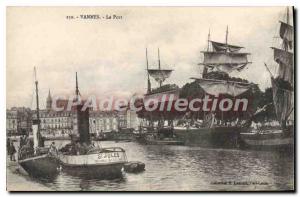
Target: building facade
{"type": "Point", "coordinates": [18, 121]}
{"type": "Point", "coordinates": [132, 121]}
{"type": "Point", "coordinates": [122, 119]}
{"type": "Point", "coordinates": [57, 123]}
{"type": "Point", "coordinates": [103, 121]}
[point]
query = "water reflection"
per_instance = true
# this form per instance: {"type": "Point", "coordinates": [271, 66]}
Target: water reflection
{"type": "Point", "coordinates": [192, 168]}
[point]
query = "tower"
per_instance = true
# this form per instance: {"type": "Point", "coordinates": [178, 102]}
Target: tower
{"type": "Point", "coordinates": [49, 101]}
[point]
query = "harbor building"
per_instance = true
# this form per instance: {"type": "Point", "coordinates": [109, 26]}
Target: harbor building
{"type": "Point", "coordinates": [55, 123]}
{"type": "Point", "coordinates": [61, 123]}
{"type": "Point", "coordinates": [18, 120]}
{"type": "Point", "coordinates": [132, 121]}
{"type": "Point", "coordinates": [103, 121]}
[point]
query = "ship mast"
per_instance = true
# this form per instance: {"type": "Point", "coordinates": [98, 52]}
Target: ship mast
{"type": "Point", "coordinates": [82, 118]}
{"type": "Point", "coordinates": [285, 44]}
{"type": "Point", "coordinates": [283, 95]}
{"type": "Point", "coordinates": [160, 83]}
{"type": "Point", "coordinates": [204, 72]}
{"type": "Point", "coordinates": [76, 89]}
{"type": "Point", "coordinates": [287, 16]}
{"type": "Point", "coordinates": [208, 38]}
{"type": "Point", "coordinates": [219, 60]}
{"type": "Point", "coordinates": [226, 39]}
{"type": "Point", "coordinates": [37, 108]}
{"type": "Point", "coordinates": [37, 97]}
{"type": "Point", "coordinates": [159, 75]}
{"type": "Point", "coordinates": [149, 83]}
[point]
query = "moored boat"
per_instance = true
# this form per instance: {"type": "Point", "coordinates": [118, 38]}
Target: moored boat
{"type": "Point", "coordinates": [283, 97]}
{"type": "Point", "coordinates": [104, 163]}
{"type": "Point", "coordinates": [156, 126]}
{"type": "Point", "coordinates": [216, 127]}
{"type": "Point", "coordinates": [82, 158]}
{"type": "Point", "coordinates": [36, 159]}
{"type": "Point", "coordinates": [218, 137]}
{"type": "Point", "coordinates": [268, 139]}
{"type": "Point", "coordinates": [42, 166]}
{"type": "Point", "coordinates": [163, 136]}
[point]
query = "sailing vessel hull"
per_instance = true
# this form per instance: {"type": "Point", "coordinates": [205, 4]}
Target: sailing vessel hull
{"type": "Point", "coordinates": [218, 137]}
{"type": "Point", "coordinates": [269, 140]}
{"type": "Point", "coordinates": [43, 166]}
{"type": "Point", "coordinates": [162, 137]}
{"type": "Point", "coordinates": [146, 141]}
{"type": "Point", "coordinates": [164, 142]}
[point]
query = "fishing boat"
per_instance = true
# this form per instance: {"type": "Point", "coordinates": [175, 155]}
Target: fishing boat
{"type": "Point", "coordinates": [36, 159]}
{"type": "Point", "coordinates": [216, 128]}
{"type": "Point", "coordinates": [83, 158]}
{"type": "Point", "coordinates": [156, 126]}
{"type": "Point", "coordinates": [281, 135]}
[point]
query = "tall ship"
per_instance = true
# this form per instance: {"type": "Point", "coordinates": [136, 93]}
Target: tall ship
{"type": "Point", "coordinates": [156, 126]}
{"type": "Point", "coordinates": [36, 159]}
{"type": "Point", "coordinates": [82, 158]}
{"type": "Point", "coordinates": [216, 128]}
{"type": "Point", "coordinates": [281, 134]}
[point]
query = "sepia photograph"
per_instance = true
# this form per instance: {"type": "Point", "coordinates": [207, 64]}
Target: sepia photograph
{"type": "Point", "coordinates": [150, 98]}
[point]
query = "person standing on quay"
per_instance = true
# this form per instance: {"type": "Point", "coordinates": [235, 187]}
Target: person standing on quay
{"type": "Point", "coordinates": [12, 151]}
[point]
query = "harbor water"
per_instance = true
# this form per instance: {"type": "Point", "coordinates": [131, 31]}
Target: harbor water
{"type": "Point", "coordinates": [180, 168]}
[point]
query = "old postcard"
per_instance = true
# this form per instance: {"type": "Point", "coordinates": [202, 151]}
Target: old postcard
{"type": "Point", "coordinates": [150, 99]}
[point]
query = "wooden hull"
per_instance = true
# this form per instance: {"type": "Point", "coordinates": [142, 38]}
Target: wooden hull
{"type": "Point", "coordinates": [218, 137]}
{"type": "Point", "coordinates": [146, 139]}
{"type": "Point", "coordinates": [104, 165]}
{"type": "Point", "coordinates": [270, 140]}
{"type": "Point", "coordinates": [49, 138]}
{"type": "Point", "coordinates": [43, 166]}
{"type": "Point", "coordinates": [164, 142]}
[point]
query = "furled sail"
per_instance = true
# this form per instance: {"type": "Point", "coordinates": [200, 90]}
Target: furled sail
{"type": "Point", "coordinates": [286, 32]}
{"type": "Point", "coordinates": [282, 85]}
{"type": "Point", "coordinates": [217, 58]}
{"type": "Point", "coordinates": [160, 75]}
{"type": "Point", "coordinates": [222, 47]}
{"type": "Point", "coordinates": [225, 61]}
{"type": "Point", "coordinates": [285, 61]}
{"type": "Point", "coordinates": [282, 101]}
{"type": "Point", "coordinates": [216, 87]}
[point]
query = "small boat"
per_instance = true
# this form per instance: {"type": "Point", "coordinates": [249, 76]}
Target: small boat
{"type": "Point", "coordinates": [38, 161]}
{"type": "Point", "coordinates": [96, 163]}
{"type": "Point", "coordinates": [60, 137]}
{"type": "Point", "coordinates": [82, 158]}
{"type": "Point", "coordinates": [164, 142]}
{"type": "Point", "coordinates": [268, 139]}
{"type": "Point", "coordinates": [283, 97]}
{"type": "Point", "coordinates": [134, 167]}
{"type": "Point", "coordinates": [159, 136]}
{"type": "Point", "coordinates": [124, 135]}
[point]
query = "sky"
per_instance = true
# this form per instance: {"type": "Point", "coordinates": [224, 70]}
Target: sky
{"type": "Point", "coordinates": [109, 54]}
